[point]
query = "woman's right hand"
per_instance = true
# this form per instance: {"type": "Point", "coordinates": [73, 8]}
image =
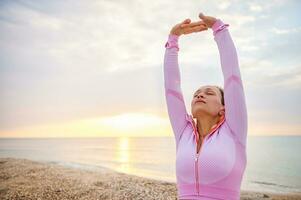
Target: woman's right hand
{"type": "Point", "coordinates": [194, 27]}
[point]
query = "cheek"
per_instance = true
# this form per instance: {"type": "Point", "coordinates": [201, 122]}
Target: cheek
{"type": "Point", "coordinates": [214, 102]}
{"type": "Point", "coordinates": [193, 101]}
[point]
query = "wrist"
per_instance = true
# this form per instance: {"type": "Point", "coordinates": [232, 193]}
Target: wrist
{"type": "Point", "coordinates": [172, 41]}
{"type": "Point", "coordinates": [174, 34]}
{"type": "Point", "coordinates": [218, 26]}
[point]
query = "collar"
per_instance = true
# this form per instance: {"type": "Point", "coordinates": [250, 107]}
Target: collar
{"type": "Point", "coordinates": [212, 130]}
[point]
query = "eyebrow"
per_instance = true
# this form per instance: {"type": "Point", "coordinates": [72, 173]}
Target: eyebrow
{"type": "Point", "coordinates": [205, 89]}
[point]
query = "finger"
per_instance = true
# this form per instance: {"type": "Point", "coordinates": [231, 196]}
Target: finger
{"type": "Point", "coordinates": [189, 31]}
{"type": "Point", "coordinates": [199, 28]}
{"type": "Point", "coordinates": [186, 21]}
{"type": "Point", "coordinates": [195, 29]}
{"type": "Point", "coordinates": [202, 16]}
{"type": "Point", "coordinates": [193, 24]}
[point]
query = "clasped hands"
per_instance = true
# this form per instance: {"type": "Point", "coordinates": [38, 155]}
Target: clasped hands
{"type": "Point", "coordinates": [186, 27]}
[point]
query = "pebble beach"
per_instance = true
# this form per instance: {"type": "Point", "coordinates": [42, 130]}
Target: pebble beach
{"type": "Point", "coordinates": [27, 179]}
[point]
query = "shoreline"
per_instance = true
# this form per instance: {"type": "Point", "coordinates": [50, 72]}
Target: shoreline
{"type": "Point", "coordinates": [27, 179]}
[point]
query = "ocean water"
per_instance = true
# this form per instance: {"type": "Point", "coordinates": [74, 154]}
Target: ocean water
{"type": "Point", "coordinates": [273, 162]}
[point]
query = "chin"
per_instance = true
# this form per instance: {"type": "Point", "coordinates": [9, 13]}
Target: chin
{"type": "Point", "coordinates": [197, 112]}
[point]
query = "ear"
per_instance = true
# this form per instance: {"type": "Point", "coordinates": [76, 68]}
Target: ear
{"type": "Point", "coordinates": [222, 111]}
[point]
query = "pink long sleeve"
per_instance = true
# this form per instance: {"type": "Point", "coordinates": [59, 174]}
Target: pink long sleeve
{"type": "Point", "coordinates": [235, 105]}
{"type": "Point", "coordinates": [173, 92]}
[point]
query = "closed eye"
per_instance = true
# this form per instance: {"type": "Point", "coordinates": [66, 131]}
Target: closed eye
{"type": "Point", "coordinates": [208, 92]}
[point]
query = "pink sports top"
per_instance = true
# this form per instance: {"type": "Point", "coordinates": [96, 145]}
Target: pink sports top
{"type": "Point", "coordinates": [216, 171]}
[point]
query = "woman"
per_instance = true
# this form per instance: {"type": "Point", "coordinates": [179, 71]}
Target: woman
{"type": "Point", "coordinates": [211, 153]}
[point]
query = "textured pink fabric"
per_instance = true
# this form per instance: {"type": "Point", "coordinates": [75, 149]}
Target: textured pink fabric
{"type": "Point", "coordinates": [216, 172]}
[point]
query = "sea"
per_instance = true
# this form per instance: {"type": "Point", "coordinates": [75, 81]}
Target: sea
{"type": "Point", "coordinates": [273, 162]}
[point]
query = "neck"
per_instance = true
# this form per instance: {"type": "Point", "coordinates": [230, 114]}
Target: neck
{"type": "Point", "coordinates": [205, 123]}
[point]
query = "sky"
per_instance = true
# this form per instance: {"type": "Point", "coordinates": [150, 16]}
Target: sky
{"type": "Point", "coordinates": [95, 68]}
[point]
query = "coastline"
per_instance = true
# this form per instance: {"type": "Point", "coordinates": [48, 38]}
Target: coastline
{"type": "Point", "coordinates": [27, 179]}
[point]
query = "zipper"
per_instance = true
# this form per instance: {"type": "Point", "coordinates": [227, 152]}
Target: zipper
{"type": "Point", "coordinates": [196, 158]}
{"type": "Point", "coordinates": [196, 173]}
{"type": "Point", "coordinates": [196, 165]}
{"type": "Point", "coordinates": [196, 155]}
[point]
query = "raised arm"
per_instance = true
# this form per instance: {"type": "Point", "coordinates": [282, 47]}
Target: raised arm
{"type": "Point", "coordinates": [235, 105]}
{"type": "Point", "coordinates": [172, 79]}
{"type": "Point", "coordinates": [173, 92]}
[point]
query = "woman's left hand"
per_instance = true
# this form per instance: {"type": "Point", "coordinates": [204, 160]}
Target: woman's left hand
{"type": "Point", "coordinates": [208, 20]}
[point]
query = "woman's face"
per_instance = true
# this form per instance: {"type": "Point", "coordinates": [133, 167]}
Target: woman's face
{"type": "Point", "coordinates": [206, 101]}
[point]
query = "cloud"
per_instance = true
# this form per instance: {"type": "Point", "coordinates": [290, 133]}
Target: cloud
{"type": "Point", "coordinates": [256, 8]}
{"type": "Point", "coordinates": [64, 60]}
{"type": "Point", "coordinates": [224, 5]}
{"type": "Point", "coordinates": [287, 31]}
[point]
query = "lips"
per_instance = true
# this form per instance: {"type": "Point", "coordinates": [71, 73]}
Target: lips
{"type": "Point", "coordinates": [201, 101]}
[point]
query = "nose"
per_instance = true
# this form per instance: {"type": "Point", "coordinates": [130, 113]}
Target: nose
{"type": "Point", "coordinates": [198, 96]}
